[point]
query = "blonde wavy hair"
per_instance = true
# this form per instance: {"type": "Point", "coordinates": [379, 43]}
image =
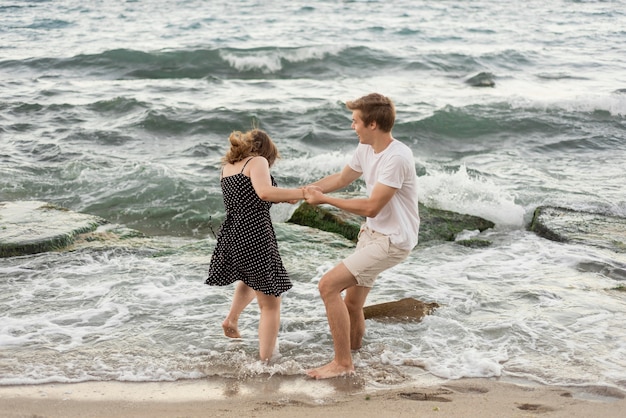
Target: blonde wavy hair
{"type": "Point", "coordinates": [250, 144]}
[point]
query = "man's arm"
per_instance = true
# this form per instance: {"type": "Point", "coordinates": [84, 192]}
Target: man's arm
{"type": "Point", "coordinates": [370, 207]}
{"type": "Point", "coordinates": [338, 180]}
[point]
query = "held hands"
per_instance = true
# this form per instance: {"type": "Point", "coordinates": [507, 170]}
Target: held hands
{"type": "Point", "coordinates": [313, 195]}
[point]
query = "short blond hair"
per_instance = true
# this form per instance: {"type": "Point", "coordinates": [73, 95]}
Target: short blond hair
{"type": "Point", "coordinates": [375, 108]}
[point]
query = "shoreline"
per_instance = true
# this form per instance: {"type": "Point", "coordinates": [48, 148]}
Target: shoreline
{"type": "Point", "coordinates": [288, 396]}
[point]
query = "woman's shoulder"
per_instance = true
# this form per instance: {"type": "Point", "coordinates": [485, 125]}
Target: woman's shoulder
{"type": "Point", "coordinates": [258, 161]}
{"type": "Point", "coordinates": [257, 164]}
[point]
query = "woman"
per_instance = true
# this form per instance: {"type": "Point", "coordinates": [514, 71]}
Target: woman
{"type": "Point", "coordinates": [246, 249]}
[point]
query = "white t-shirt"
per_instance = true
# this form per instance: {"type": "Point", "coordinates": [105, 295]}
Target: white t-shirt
{"type": "Point", "coordinates": [393, 167]}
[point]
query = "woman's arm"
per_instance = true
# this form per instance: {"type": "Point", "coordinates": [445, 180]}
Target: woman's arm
{"type": "Point", "coordinates": [259, 172]}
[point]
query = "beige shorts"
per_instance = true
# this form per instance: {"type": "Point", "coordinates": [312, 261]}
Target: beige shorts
{"type": "Point", "coordinates": [374, 254]}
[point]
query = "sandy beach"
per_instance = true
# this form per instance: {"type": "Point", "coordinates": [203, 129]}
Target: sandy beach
{"type": "Point", "coordinates": [303, 397]}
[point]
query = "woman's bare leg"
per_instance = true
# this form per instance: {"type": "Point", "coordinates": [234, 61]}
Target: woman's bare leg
{"type": "Point", "coordinates": [268, 324]}
{"type": "Point", "coordinates": [242, 298]}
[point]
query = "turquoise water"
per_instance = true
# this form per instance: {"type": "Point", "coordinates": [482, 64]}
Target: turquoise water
{"type": "Point", "coordinates": [122, 109]}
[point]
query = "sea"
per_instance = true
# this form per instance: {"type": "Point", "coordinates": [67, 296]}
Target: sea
{"type": "Point", "coordinates": [122, 109]}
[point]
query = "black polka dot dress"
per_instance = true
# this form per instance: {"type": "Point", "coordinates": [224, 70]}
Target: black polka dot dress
{"type": "Point", "coordinates": [246, 246]}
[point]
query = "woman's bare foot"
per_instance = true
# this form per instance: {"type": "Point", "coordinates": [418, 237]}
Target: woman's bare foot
{"type": "Point", "coordinates": [230, 329]}
{"type": "Point", "coordinates": [330, 370]}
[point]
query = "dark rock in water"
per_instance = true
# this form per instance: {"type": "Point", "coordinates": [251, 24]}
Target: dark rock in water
{"type": "Point", "coordinates": [482, 80]}
{"type": "Point", "coordinates": [327, 218]}
{"type": "Point", "coordinates": [474, 243]}
{"type": "Point", "coordinates": [444, 225]}
{"type": "Point", "coordinates": [435, 225]}
{"type": "Point", "coordinates": [620, 91]}
{"type": "Point", "coordinates": [403, 309]}
{"type": "Point", "coordinates": [613, 269]}
{"type": "Point", "coordinates": [568, 225]}
{"type": "Point", "coordinates": [30, 227]}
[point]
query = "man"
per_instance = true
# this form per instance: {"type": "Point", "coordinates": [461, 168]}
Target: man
{"type": "Point", "coordinates": [388, 234]}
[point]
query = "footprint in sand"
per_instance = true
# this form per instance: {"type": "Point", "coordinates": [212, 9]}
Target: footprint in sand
{"type": "Point", "coordinates": [534, 407]}
{"type": "Point", "coordinates": [423, 396]}
{"type": "Point", "coordinates": [467, 389]}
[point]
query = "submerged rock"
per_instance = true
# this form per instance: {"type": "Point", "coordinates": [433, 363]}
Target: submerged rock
{"type": "Point", "coordinates": [568, 225]}
{"type": "Point", "coordinates": [435, 225]}
{"type": "Point", "coordinates": [403, 309]}
{"type": "Point", "coordinates": [445, 225]}
{"type": "Point", "coordinates": [482, 80]}
{"type": "Point", "coordinates": [30, 227]}
{"type": "Point", "coordinates": [327, 218]}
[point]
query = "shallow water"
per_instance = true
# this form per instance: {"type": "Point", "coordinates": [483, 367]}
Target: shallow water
{"type": "Point", "coordinates": [122, 110]}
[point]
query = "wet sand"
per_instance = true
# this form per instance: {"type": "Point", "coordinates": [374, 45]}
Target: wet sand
{"type": "Point", "coordinates": [303, 397]}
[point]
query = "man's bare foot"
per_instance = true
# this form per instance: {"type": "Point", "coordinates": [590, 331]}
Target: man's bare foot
{"type": "Point", "coordinates": [230, 329]}
{"type": "Point", "coordinates": [330, 370]}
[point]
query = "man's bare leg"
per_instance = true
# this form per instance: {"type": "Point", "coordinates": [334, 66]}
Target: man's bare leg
{"type": "Point", "coordinates": [242, 298]}
{"type": "Point", "coordinates": [331, 285]}
{"type": "Point", "coordinates": [355, 300]}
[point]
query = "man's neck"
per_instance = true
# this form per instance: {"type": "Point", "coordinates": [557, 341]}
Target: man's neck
{"type": "Point", "coordinates": [381, 143]}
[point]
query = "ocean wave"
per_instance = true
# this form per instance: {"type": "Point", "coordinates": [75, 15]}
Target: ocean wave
{"type": "Point", "coordinates": [484, 120]}
{"type": "Point", "coordinates": [46, 24]}
{"type": "Point", "coordinates": [483, 127]}
{"type": "Point", "coordinates": [221, 63]}
{"type": "Point", "coordinates": [118, 105]}
{"type": "Point", "coordinates": [311, 61]}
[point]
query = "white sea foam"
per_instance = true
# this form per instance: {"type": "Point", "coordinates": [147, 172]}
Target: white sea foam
{"type": "Point", "coordinates": [271, 61]}
{"type": "Point", "coordinates": [460, 192]}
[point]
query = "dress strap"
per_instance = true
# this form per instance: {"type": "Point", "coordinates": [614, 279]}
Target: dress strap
{"type": "Point", "coordinates": [244, 166]}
